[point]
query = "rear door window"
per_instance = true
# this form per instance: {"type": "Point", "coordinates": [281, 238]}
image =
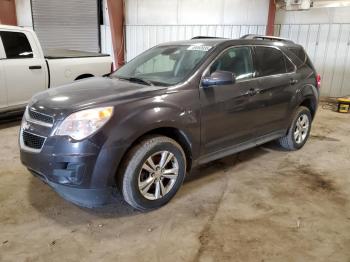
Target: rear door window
{"type": "Point", "coordinates": [237, 60]}
{"type": "Point", "coordinates": [269, 61]}
{"type": "Point", "coordinates": [16, 45]}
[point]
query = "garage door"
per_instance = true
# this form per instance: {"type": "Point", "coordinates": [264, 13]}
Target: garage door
{"type": "Point", "coordinates": [67, 24]}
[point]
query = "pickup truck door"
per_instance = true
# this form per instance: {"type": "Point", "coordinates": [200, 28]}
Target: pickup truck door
{"type": "Point", "coordinates": [228, 114]}
{"type": "Point", "coordinates": [24, 68]}
{"type": "Point", "coordinates": [3, 92]}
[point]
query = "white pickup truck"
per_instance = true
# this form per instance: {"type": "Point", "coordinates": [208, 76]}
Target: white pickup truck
{"type": "Point", "coordinates": [26, 70]}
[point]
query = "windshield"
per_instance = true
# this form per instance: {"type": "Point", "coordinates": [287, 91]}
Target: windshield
{"type": "Point", "coordinates": [163, 65]}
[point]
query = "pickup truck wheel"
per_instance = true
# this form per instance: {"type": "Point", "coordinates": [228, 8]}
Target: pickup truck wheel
{"type": "Point", "coordinates": [152, 173]}
{"type": "Point", "coordinates": [299, 131]}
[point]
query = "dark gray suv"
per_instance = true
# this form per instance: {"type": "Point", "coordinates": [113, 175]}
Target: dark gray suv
{"type": "Point", "coordinates": [175, 106]}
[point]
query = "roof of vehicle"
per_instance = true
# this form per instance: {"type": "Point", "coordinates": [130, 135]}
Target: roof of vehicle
{"type": "Point", "coordinates": [246, 40]}
{"type": "Point", "coordinates": [14, 28]}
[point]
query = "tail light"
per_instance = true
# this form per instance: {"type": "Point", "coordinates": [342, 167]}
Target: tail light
{"type": "Point", "coordinates": [318, 80]}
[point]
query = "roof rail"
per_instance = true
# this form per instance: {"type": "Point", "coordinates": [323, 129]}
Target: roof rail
{"type": "Point", "coordinates": [206, 37]}
{"type": "Point", "coordinates": [265, 37]}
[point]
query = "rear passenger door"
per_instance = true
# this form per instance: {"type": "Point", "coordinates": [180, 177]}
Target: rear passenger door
{"type": "Point", "coordinates": [24, 69]}
{"type": "Point", "coordinates": [275, 76]}
{"type": "Point", "coordinates": [3, 93]}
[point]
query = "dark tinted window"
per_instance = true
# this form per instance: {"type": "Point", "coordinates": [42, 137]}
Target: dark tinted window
{"type": "Point", "coordinates": [269, 61]}
{"type": "Point", "coordinates": [16, 45]}
{"type": "Point", "coordinates": [237, 60]}
{"type": "Point", "coordinates": [299, 52]}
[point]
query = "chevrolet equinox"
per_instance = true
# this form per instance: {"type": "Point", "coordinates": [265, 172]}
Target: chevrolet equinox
{"type": "Point", "coordinates": [175, 106]}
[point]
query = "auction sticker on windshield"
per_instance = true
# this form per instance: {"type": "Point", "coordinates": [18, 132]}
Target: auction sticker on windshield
{"type": "Point", "coordinates": [200, 47]}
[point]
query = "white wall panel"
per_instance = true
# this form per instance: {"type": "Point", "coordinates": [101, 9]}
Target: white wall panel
{"type": "Point", "coordinates": [150, 22]}
{"type": "Point", "coordinates": [156, 12]}
{"type": "Point", "coordinates": [142, 37]}
{"type": "Point", "coordinates": [240, 12]}
{"type": "Point", "coordinates": [106, 40]}
{"type": "Point", "coordinates": [24, 13]}
{"type": "Point", "coordinates": [196, 12]}
{"type": "Point", "coordinates": [314, 16]}
{"type": "Point", "coordinates": [201, 12]}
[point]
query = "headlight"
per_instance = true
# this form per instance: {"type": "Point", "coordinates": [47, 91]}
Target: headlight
{"type": "Point", "coordinates": [82, 124]}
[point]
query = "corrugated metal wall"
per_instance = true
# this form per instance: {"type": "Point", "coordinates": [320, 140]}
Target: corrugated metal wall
{"type": "Point", "coordinates": [67, 24]}
{"type": "Point", "coordinates": [328, 46]}
{"type": "Point", "coordinates": [150, 22]}
{"type": "Point", "coordinates": [141, 37]}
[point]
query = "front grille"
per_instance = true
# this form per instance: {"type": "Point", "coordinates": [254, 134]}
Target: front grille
{"type": "Point", "coordinates": [40, 117]}
{"type": "Point", "coordinates": [33, 141]}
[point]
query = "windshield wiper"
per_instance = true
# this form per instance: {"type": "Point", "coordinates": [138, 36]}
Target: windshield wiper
{"type": "Point", "coordinates": [137, 80]}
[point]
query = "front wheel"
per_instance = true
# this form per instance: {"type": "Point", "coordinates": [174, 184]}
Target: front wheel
{"type": "Point", "coordinates": [152, 173]}
{"type": "Point", "coordinates": [299, 131]}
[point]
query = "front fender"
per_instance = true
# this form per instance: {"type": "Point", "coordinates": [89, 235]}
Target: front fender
{"type": "Point", "coordinates": [135, 119]}
{"type": "Point", "coordinates": [142, 121]}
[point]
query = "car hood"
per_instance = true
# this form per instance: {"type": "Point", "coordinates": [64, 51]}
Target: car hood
{"type": "Point", "coordinates": [89, 93]}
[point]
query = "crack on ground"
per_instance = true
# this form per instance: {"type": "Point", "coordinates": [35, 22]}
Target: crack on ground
{"type": "Point", "coordinates": [324, 138]}
{"type": "Point", "coordinates": [204, 236]}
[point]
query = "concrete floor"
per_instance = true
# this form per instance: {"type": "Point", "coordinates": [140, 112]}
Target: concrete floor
{"type": "Point", "coordinates": [260, 205]}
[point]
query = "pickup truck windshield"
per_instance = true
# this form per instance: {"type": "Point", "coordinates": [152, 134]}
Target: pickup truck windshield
{"type": "Point", "coordinates": [164, 65]}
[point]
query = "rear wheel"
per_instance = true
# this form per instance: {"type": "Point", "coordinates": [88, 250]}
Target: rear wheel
{"type": "Point", "coordinates": [299, 131]}
{"type": "Point", "coordinates": [152, 173]}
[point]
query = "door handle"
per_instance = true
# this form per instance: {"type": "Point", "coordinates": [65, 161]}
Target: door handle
{"type": "Point", "coordinates": [293, 81]}
{"type": "Point", "coordinates": [35, 67]}
{"type": "Point", "coordinates": [252, 92]}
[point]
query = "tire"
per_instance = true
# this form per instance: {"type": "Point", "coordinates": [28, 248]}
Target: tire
{"type": "Point", "coordinates": [136, 173]}
{"type": "Point", "coordinates": [290, 142]}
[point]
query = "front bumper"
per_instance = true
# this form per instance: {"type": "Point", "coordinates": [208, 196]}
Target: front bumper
{"type": "Point", "coordinates": [85, 197]}
{"type": "Point", "coordinates": [82, 172]}
{"type": "Point", "coordinates": [71, 176]}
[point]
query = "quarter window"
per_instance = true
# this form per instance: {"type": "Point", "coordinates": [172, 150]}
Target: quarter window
{"type": "Point", "coordinates": [16, 45]}
{"type": "Point", "coordinates": [289, 65]}
{"type": "Point", "coordinates": [269, 61]}
{"type": "Point", "coordinates": [237, 60]}
{"type": "Point", "coordinates": [300, 53]}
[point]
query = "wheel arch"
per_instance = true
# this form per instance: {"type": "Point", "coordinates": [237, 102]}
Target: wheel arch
{"type": "Point", "coordinates": [174, 133]}
{"type": "Point", "coordinates": [311, 104]}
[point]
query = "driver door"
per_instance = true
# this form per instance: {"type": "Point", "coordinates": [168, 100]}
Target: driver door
{"type": "Point", "coordinates": [229, 112]}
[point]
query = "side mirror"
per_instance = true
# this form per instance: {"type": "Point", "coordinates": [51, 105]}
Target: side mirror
{"type": "Point", "coordinates": [219, 78]}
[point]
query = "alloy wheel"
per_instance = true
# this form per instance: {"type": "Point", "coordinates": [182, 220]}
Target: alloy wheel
{"type": "Point", "coordinates": [158, 175]}
{"type": "Point", "coordinates": [301, 128]}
